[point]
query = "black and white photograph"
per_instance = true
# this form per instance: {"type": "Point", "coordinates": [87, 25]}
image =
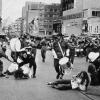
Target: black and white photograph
{"type": "Point", "coordinates": [49, 49]}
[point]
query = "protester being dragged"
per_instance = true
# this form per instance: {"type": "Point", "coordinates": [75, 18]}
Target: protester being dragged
{"type": "Point", "coordinates": [22, 60]}
{"type": "Point", "coordinates": [28, 57]}
{"type": "Point", "coordinates": [59, 51]}
{"type": "Point", "coordinates": [78, 82]}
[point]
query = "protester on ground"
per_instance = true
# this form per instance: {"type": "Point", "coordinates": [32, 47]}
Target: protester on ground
{"type": "Point", "coordinates": [80, 82]}
{"type": "Point", "coordinates": [59, 47]}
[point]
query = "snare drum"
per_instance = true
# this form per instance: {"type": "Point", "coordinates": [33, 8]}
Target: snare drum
{"type": "Point", "coordinates": [63, 62]}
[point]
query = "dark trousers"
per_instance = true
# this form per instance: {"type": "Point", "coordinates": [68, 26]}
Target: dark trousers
{"type": "Point", "coordinates": [71, 58]}
{"type": "Point", "coordinates": [62, 84]}
{"type": "Point", "coordinates": [43, 54]}
{"type": "Point", "coordinates": [57, 68]}
{"type": "Point", "coordinates": [1, 67]}
{"type": "Point", "coordinates": [14, 55]}
{"type": "Point", "coordinates": [33, 63]}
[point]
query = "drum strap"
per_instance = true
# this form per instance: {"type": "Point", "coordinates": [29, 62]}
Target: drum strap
{"type": "Point", "coordinates": [60, 49]}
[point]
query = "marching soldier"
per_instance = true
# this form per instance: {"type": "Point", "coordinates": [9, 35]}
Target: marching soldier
{"type": "Point", "coordinates": [57, 54]}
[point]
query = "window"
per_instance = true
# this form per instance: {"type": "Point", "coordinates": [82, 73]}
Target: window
{"type": "Point", "coordinates": [74, 16]}
{"type": "Point", "coordinates": [50, 21]}
{"type": "Point", "coordinates": [51, 9]}
{"type": "Point", "coordinates": [50, 15]}
{"type": "Point", "coordinates": [50, 26]}
{"type": "Point", "coordinates": [96, 13]}
{"type": "Point", "coordinates": [67, 4]}
{"type": "Point", "coordinates": [55, 10]}
{"type": "Point", "coordinates": [91, 28]}
{"type": "Point", "coordinates": [45, 21]}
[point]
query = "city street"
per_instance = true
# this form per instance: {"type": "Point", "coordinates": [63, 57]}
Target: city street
{"type": "Point", "coordinates": [36, 89]}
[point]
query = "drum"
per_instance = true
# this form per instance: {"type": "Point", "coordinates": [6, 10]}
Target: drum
{"type": "Point", "coordinates": [65, 65]}
{"type": "Point", "coordinates": [63, 62]}
{"type": "Point", "coordinates": [15, 44]}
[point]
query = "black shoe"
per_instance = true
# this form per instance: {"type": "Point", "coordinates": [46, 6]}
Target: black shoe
{"type": "Point", "coordinates": [2, 75]}
{"type": "Point", "coordinates": [43, 60]}
{"type": "Point", "coordinates": [34, 76]}
{"type": "Point", "coordinates": [57, 77]}
{"type": "Point", "coordinates": [61, 76]}
{"type": "Point", "coordinates": [50, 83]}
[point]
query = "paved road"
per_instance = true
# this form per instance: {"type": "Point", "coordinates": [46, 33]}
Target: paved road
{"type": "Point", "coordinates": [36, 89]}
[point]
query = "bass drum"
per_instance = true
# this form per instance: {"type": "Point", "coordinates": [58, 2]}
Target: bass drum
{"type": "Point", "coordinates": [65, 65]}
{"type": "Point", "coordinates": [15, 44]}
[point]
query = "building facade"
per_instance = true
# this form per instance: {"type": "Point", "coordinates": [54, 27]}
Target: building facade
{"type": "Point", "coordinates": [48, 18]}
{"type": "Point", "coordinates": [30, 15]}
{"type": "Point", "coordinates": [81, 16]}
{"type": "Point", "coordinates": [0, 15]}
{"type": "Point", "coordinates": [52, 18]}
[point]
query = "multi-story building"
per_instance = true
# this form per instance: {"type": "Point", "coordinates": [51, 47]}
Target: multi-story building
{"type": "Point", "coordinates": [48, 18]}
{"type": "Point", "coordinates": [15, 28]}
{"type": "Point", "coordinates": [31, 12]}
{"type": "Point", "coordinates": [52, 18]}
{"type": "Point", "coordinates": [81, 16]}
{"type": "Point", "coordinates": [0, 15]}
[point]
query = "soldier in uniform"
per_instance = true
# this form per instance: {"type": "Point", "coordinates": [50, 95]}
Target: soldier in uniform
{"type": "Point", "coordinates": [57, 54]}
